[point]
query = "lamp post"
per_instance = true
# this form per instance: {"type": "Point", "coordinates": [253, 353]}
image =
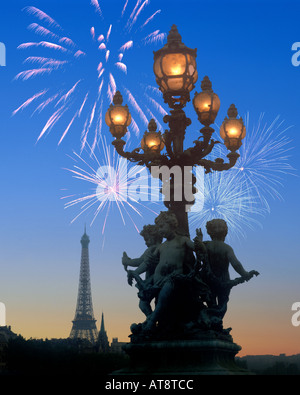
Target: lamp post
{"type": "Point", "coordinates": [176, 74]}
{"type": "Point", "coordinates": [190, 296]}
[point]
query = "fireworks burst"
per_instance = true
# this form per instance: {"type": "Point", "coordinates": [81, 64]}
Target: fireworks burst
{"type": "Point", "coordinates": [224, 195]}
{"type": "Point", "coordinates": [241, 196]}
{"type": "Point", "coordinates": [80, 81]}
{"type": "Point", "coordinates": [264, 158]}
{"type": "Point", "coordinates": [113, 184]}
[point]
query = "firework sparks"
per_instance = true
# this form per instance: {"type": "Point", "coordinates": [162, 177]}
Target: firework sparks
{"type": "Point", "coordinates": [95, 73]}
{"type": "Point", "coordinates": [112, 183]}
{"type": "Point", "coordinates": [241, 196]}
{"type": "Point", "coordinates": [264, 158]}
{"type": "Point", "coordinates": [224, 195]}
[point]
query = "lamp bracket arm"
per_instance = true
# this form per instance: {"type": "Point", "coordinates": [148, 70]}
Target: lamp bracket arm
{"type": "Point", "coordinates": [133, 156]}
{"type": "Point", "coordinates": [218, 164]}
{"type": "Point", "coordinates": [148, 158]}
{"type": "Point", "coordinates": [199, 151]}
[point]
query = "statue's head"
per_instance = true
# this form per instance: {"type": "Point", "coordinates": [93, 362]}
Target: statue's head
{"type": "Point", "coordinates": [217, 229]}
{"type": "Point", "coordinates": [151, 235]}
{"type": "Point", "coordinates": [166, 222]}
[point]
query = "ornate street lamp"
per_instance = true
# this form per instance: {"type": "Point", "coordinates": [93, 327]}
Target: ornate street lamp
{"type": "Point", "coordinates": [232, 130]}
{"type": "Point", "coordinates": [118, 117]}
{"type": "Point", "coordinates": [175, 70]}
{"type": "Point", "coordinates": [206, 103]}
{"type": "Point", "coordinates": [152, 141]}
{"type": "Point", "coordinates": [190, 296]}
{"type": "Point", "coordinates": [176, 75]}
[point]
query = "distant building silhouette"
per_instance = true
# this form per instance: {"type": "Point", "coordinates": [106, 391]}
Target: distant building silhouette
{"type": "Point", "coordinates": [103, 343]}
{"type": "Point", "coordinates": [116, 346]}
{"type": "Point", "coordinates": [84, 323]}
{"type": "Point", "coordinates": [6, 334]}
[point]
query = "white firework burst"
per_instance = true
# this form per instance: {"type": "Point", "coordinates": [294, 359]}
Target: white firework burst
{"type": "Point", "coordinates": [111, 183]}
{"type": "Point", "coordinates": [241, 196]}
{"type": "Point", "coordinates": [81, 82]}
{"type": "Point", "coordinates": [224, 195]}
{"type": "Point", "coordinates": [265, 155]}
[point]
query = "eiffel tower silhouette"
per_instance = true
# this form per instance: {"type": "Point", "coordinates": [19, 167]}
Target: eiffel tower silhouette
{"type": "Point", "coordinates": [84, 323]}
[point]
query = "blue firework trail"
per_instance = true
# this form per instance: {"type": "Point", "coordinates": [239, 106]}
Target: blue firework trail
{"type": "Point", "coordinates": [111, 180]}
{"type": "Point", "coordinates": [225, 195]}
{"type": "Point", "coordinates": [265, 158]}
{"type": "Point", "coordinates": [242, 195]}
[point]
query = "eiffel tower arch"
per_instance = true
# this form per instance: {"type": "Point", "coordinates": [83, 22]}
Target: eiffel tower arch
{"type": "Point", "coordinates": [84, 323]}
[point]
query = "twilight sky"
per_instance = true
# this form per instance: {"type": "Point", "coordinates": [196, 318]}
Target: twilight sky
{"type": "Point", "coordinates": [246, 50]}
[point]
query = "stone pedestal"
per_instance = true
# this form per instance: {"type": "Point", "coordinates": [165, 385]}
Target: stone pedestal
{"type": "Point", "coordinates": [183, 357]}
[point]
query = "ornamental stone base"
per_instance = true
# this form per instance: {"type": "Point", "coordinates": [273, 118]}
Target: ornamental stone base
{"type": "Point", "coordinates": [186, 357]}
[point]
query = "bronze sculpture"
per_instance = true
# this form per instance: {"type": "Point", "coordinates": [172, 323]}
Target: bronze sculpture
{"type": "Point", "coordinates": [189, 281]}
{"type": "Point", "coordinates": [146, 263]}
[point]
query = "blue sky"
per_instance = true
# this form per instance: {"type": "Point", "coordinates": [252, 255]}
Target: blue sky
{"type": "Point", "coordinates": [245, 49]}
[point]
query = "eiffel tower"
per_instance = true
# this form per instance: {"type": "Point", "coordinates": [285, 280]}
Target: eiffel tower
{"type": "Point", "coordinates": [84, 323]}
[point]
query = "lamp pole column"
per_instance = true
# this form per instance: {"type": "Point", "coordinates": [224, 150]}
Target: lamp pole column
{"type": "Point", "coordinates": [180, 180]}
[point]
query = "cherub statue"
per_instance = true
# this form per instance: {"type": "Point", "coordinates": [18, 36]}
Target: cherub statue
{"type": "Point", "coordinates": [146, 263]}
{"type": "Point", "coordinates": [216, 257]}
{"type": "Point", "coordinates": [175, 263]}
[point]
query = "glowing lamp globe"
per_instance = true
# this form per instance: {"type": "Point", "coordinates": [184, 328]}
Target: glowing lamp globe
{"type": "Point", "coordinates": [152, 141]}
{"type": "Point", "coordinates": [206, 103]}
{"type": "Point", "coordinates": [118, 117]}
{"type": "Point", "coordinates": [175, 69]}
{"type": "Point", "coordinates": [233, 130]}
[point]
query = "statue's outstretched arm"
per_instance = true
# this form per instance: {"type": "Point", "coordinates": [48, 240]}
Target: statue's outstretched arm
{"type": "Point", "coordinates": [134, 262]}
{"type": "Point", "coordinates": [142, 268]}
{"type": "Point", "coordinates": [144, 261]}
